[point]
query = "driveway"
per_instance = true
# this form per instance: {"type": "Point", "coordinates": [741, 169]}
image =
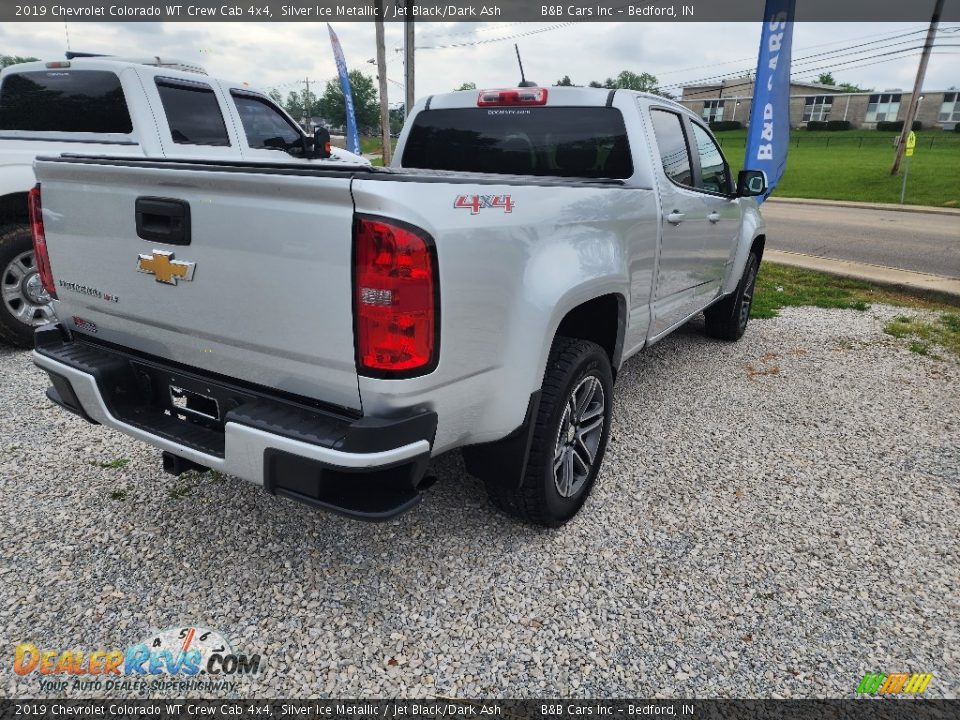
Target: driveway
{"type": "Point", "coordinates": [775, 517]}
{"type": "Point", "coordinates": [922, 242]}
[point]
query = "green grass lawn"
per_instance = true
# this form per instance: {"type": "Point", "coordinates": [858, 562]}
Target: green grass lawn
{"type": "Point", "coordinates": [855, 165]}
{"type": "Point", "coordinates": [780, 286]}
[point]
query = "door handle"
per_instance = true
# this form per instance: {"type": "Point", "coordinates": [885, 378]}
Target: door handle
{"type": "Point", "coordinates": [675, 218]}
{"type": "Point", "coordinates": [714, 217]}
{"type": "Point", "coordinates": [163, 220]}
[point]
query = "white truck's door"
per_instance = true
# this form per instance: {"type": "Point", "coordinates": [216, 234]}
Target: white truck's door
{"type": "Point", "coordinates": [684, 213]}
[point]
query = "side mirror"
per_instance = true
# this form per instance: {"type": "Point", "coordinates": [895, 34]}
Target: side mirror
{"type": "Point", "coordinates": [751, 183]}
{"type": "Point", "coordinates": [321, 143]}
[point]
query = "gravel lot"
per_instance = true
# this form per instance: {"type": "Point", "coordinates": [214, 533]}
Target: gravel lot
{"type": "Point", "coordinates": [775, 518]}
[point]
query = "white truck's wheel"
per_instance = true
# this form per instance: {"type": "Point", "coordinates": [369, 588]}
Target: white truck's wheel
{"type": "Point", "coordinates": [24, 304]}
{"type": "Point", "coordinates": [727, 320]}
{"type": "Point", "coordinates": [570, 436]}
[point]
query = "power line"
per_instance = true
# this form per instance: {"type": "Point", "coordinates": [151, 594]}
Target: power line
{"type": "Point", "coordinates": [493, 40]}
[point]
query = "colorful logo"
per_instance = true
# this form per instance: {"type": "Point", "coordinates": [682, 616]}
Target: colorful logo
{"type": "Point", "coordinates": [894, 683]}
{"type": "Point", "coordinates": [186, 651]}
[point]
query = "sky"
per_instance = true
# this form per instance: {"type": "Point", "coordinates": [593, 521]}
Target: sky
{"type": "Point", "coordinates": [281, 55]}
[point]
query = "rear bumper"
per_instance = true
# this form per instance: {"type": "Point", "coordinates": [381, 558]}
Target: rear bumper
{"type": "Point", "coordinates": [367, 468]}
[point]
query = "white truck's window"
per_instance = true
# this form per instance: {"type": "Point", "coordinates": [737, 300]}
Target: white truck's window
{"type": "Point", "coordinates": [264, 126]}
{"type": "Point", "coordinates": [672, 141]}
{"type": "Point", "coordinates": [193, 113]}
{"type": "Point", "coordinates": [81, 101]}
{"type": "Point", "coordinates": [576, 142]}
{"type": "Point", "coordinates": [714, 175]}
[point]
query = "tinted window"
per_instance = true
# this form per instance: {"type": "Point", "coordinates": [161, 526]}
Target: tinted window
{"type": "Point", "coordinates": [579, 142]}
{"type": "Point", "coordinates": [89, 101]}
{"type": "Point", "coordinates": [714, 175]}
{"type": "Point", "coordinates": [674, 154]}
{"type": "Point", "coordinates": [264, 126]}
{"type": "Point", "coordinates": [193, 113]}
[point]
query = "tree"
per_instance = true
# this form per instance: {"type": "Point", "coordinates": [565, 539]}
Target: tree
{"type": "Point", "coordinates": [366, 105]}
{"type": "Point", "coordinates": [627, 80]}
{"type": "Point", "coordinates": [297, 102]}
{"type": "Point", "coordinates": [6, 60]}
{"type": "Point", "coordinates": [849, 88]}
{"type": "Point", "coordinates": [826, 78]}
{"type": "Point", "coordinates": [396, 119]}
{"type": "Point", "coordinates": [565, 81]}
{"type": "Point", "coordinates": [467, 86]}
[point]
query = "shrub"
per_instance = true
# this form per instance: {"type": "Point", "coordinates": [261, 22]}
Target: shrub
{"type": "Point", "coordinates": [956, 128]}
{"type": "Point", "coordinates": [720, 125]}
{"type": "Point", "coordinates": [835, 125]}
{"type": "Point", "coordinates": [897, 125]}
{"type": "Point", "coordinates": [816, 125]}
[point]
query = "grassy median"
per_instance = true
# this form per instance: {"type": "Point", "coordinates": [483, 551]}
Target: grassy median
{"type": "Point", "coordinates": [855, 165]}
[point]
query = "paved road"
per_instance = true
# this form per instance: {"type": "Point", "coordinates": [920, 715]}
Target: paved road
{"type": "Point", "coordinates": [911, 241]}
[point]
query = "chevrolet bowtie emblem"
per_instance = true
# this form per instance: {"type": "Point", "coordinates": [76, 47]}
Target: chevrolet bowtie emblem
{"type": "Point", "coordinates": [164, 268]}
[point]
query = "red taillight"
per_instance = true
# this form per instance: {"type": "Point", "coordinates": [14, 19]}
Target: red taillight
{"type": "Point", "coordinates": [506, 98]}
{"type": "Point", "coordinates": [40, 241]}
{"type": "Point", "coordinates": [396, 298]}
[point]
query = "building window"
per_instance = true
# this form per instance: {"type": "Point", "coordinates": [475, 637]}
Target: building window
{"type": "Point", "coordinates": [950, 110]}
{"type": "Point", "coordinates": [817, 108]}
{"type": "Point", "coordinates": [713, 110]}
{"type": "Point", "coordinates": [883, 107]}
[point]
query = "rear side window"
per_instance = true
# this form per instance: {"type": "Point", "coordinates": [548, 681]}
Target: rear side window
{"type": "Point", "coordinates": [580, 142]}
{"type": "Point", "coordinates": [674, 153]}
{"type": "Point", "coordinates": [193, 113]}
{"type": "Point", "coordinates": [78, 101]}
{"type": "Point", "coordinates": [264, 126]}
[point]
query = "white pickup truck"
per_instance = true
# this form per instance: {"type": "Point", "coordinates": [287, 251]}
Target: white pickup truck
{"type": "Point", "coordinates": [323, 332]}
{"type": "Point", "coordinates": [148, 107]}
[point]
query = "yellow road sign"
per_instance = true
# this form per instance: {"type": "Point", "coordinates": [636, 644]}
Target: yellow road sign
{"type": "Point", "coordinates": [911, 143]}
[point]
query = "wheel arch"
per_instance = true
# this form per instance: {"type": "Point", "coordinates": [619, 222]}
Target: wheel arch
{"type": "Point", "coordinates": [13, 209]}
{"type": "Point", "coordinates": [603, 320]}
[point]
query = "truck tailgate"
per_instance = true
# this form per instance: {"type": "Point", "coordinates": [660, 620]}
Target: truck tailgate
{"type": "Point", "coordinates": [259, 291]}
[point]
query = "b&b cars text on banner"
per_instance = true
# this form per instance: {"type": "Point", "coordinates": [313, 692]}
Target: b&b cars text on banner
{"type": "Point", "coordinates": [769, 135]}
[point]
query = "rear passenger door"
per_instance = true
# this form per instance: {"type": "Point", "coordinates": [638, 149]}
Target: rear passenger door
{"type": "Point", "coordinates": [192, 123]}
{"type": "Point", "coordinates": [681, 267]}
{"type": "Point", "coordinates": [713, 181]}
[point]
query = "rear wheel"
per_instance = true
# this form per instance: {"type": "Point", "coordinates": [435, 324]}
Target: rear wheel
{"type": "Point", "coordinates": [727, 320]}
{"type": "Point", "coordinates": [24, 304]}
{"type": "Point", "coordinates": [570, 436]}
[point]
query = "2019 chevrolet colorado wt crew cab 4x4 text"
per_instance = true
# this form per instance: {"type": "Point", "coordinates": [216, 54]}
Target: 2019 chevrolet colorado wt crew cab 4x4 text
{"type": "Point", "coordinates": [325, 331]}
{"type": "Point", "coordinates": [147, 107]}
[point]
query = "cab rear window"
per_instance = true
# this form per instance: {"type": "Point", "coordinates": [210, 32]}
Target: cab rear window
{"type": "Point", "coordinates": [576, 142]}
{"type": "Point", "coordinates": [79, 101]}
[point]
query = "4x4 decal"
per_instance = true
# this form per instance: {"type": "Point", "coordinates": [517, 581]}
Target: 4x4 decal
{"type": "Point", "coordinates": [476, 203]}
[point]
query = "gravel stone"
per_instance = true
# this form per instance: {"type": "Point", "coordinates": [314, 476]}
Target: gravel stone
{"type": "Point", "coordinates": [776, 516]}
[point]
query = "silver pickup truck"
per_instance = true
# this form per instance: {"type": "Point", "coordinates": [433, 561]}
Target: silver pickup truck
{"type": "Point", "coordinates": [324, 332]}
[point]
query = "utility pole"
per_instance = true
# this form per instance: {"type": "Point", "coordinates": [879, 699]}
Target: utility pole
{"type": "Point", "coordinates": [305, 121]}
{"type": "Point", "coordinates": [917, 88]}
{"type": "Point", "coordinates": [382, 77]}
{"type": "Point", "coordinates": [408, 48]}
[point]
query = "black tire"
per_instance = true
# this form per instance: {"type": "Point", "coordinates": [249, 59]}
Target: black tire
{"type": "Point", "coordinates": [573, 365]}
{"type": "Point", "coordinates": [727, 320]}
{"type": "Point", "coordinates": [16, 244]}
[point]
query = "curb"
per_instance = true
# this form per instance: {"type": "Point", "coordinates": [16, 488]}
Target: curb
{"type": "Point", "coordinates": [892, 207]}
{"type": "Point", "coordinates": [933, 287]}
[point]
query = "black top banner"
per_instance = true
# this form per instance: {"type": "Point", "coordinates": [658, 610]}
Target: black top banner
{"type": "Point", "coordinates": [861, 11]}
{"type": "Point", "coordinates": [432, 709]}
